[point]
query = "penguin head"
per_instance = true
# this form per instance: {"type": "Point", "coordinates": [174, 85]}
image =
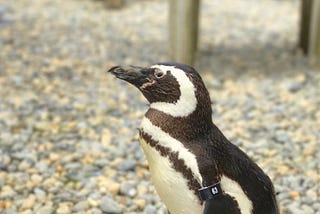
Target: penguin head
{"type": "Point", "coordinates": [173, 88]}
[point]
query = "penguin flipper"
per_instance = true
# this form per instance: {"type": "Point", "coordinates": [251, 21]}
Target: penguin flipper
{"type": "Point", "coordinates": [223, 204]}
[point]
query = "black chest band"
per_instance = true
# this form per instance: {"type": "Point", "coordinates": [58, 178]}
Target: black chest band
{"type": "Point", "coordinates": [209, 192]}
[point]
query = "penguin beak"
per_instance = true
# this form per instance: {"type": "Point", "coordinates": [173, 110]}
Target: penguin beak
{"type": "Point", "coordinates": [135, 75]}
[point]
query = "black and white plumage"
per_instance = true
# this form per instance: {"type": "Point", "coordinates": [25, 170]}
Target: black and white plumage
{"type": "Point", "coordinates": [186, 151]}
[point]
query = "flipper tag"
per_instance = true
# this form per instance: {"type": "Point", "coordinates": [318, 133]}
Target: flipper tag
{"type": "Point", "coordinates": [209, 192]}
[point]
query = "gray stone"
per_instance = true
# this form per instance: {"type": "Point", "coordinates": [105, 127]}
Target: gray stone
{"type": "Point", "coordinates": [64, 196]}
{"type": "Point", "coordinates": [307, 209]}
{"type": "Point", "coordinates": [127, 165]}
{"type": "Point", "coordinates": [73, 166]}
{"type": "Point", "coordinates": [95, 211]}
{"type": "Point", "coordinates": [4, 161]}
{"type": "Point", "coordinates": [282, 137]}
{"type": "Point", "coordinates": [10, 211]}
{"type": "Point", "coordinates": [102, 162]}
{"type": "Point", "coordinates": [39, 192]}
{"type": "Point", "coordinates": [95, 195]}
{"type": "Point", "coordinates": [91, 184]}
{"type": "Point", "coordinates": [283, 195]}
{"type": "Point", "coordinates": [128, 188]}
{"type": "Point", "coordinates": [41, 166]}
{"type": "Point", "coordinates": [25, 155]}
{"type": "Point", "coordinates": [150, 209]}
{"type": "Point", "coordinates": [3, 10]}
{"type": "Point", "coordinates": [294, 207]}
{"type": "Point", "coordinates": [108, 205]}
{"type": "Point", "coordinates": [80, 206]}
{"type": "Point", "coordinates": [294, 87]}
{"type": "Point", "coordinates": [316, 206]}
{"type": "Point", "coordinates": [40, 195]}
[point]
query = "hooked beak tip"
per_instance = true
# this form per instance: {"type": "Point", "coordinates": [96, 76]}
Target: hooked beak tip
{"type": "Point", "coordinates": [115, 69]}
{"type": "Point", "coordinates": [131, 74]}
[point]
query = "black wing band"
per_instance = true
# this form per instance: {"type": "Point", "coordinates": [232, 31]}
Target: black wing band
{"type": "Point", "coordinates": [209, 192]}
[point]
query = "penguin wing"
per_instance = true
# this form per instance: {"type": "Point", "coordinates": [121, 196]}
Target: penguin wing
{"type": "Point", "coordinates": [235, 164]}
{"type": "Point", "coordinates": [257, 185]}
{"type": "Point", "coordinates": [223, 204]}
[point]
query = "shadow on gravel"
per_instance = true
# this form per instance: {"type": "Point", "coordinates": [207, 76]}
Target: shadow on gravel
{"type": "Point", "coordinates": [263, 59]}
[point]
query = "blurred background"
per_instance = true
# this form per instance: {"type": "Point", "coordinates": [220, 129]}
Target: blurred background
{"type": "Point", "coordinates": [68, 131]}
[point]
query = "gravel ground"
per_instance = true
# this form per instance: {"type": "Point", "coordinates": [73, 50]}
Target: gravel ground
{"type": "Point", "coordinates": [68, 134]}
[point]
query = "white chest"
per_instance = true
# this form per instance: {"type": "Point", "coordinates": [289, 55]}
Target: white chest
{"type": "Point", "coordinates": [171, 186]}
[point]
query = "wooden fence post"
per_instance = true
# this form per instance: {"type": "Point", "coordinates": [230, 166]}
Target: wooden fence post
{"type": "Point", "coordinates": [309, 39]}
{"type": "Point", "coordinates": [305, 20]}
{"type": "Point", "coordinates": [183, 29]}
{"type": "Point", "coordinates": [314, 45]}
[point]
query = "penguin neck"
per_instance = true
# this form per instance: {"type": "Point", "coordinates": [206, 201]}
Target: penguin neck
{"type": "Point", "coordinates": [189, 117]}
{"type": "Point", "coordinates": [183, 128]}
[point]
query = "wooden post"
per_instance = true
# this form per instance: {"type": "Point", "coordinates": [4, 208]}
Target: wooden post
{"type": "Point", "coordinates": [305, 20]}
{"type": "Point", "coordinates": [314, 45]}
{"type": "Point", "coordinates": [183, 33]}
{"type": "Point", "coordinates": [309, 39]}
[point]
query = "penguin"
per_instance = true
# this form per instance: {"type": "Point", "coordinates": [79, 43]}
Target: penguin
{"type": "Point", "coordinates": [195, 169]}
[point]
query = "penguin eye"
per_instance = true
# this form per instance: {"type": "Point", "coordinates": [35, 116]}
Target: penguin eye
{"type": "Point", "coordinates": [158, 73]}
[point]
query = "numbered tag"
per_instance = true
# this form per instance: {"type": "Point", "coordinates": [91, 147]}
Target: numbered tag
{"type": "Point", "coordinates": [215, 190]}
{"type": "Point", "coordinates": [209, 192]}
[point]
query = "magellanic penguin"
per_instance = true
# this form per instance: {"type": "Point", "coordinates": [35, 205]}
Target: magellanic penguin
{"type": "Point", "coordinates": [194, 168]}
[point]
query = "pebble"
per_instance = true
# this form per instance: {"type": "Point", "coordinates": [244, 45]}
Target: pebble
{"type": "Point", "coordinates": [113, 188]}
{"type": "Point", "coordinates": [80, 206]}
{"type": "Point", "coordinates": [95, 211]}
{"type": "Point", "coordinates": [64, 210]}
{"type": "Point", "coordinates": [127, 165]}
{"type": "Point", "coordinates": [142, 189]}
{"type": "Point", "coordinates": [106, 137]}
{"type": "Point", "coordinates": [294, 87]}
{"type": "Point", "coordinates": [307, 209]}
{"type": "Point", "coordinates": [45, 210]}
{"type": "Point", "coordinates": [10, 211]}
{"type": "Point", "coordinates": [28, 211]}
{"type": "Point", "coordinates": [128, 188]}
{"type": "Point", "coordinates": [36, 178]}
{"type": "Point", "coordinates": [141, 203]}
{"type": "Point", "coordinates": [4, 161]}
{"type": "Point", "coordinates": [294, 208]}
{"type": "Point", "coordinates": [7, 192]}
{"type": "Point", "coordinates": [150, 209]}
{"type": "Point", "coordinates": [3, 10]}
{"type": "Point", "coordinates": [92, 202]}
{"type": "Point", "coordinates": [28, 202]}
{"type": "Point", "coordinates": [41, 166]}
{"type": "Point", "coordinates": [39, 193]}
{"type": "Point", "coordinates": [108, 205]}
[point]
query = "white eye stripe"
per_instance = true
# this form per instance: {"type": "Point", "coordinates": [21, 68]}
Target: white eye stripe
{"type": "Point", "coordinates": [187, 102]}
